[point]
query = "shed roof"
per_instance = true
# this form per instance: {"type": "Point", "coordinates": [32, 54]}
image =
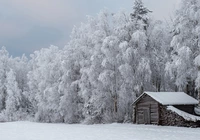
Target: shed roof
{"type": "Point", "coordinates": [170, 98]}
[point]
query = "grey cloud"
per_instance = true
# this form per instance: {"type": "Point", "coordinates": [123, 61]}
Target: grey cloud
{"type": "Point", "coordinates": [36, 38]}
{"type": "Point", "coordinates": [28, 25]}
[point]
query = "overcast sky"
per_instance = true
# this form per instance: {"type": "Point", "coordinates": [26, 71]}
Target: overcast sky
{"type": "Point", "coordinates": [28, 25]}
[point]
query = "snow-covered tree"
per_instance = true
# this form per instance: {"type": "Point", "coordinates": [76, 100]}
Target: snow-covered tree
{"type": "Point", "coordinates": [140, 15]}
{"type": "Point", "coordinates": [96, 103]}
{"type": "Point", "coordinates": [185, 46]}
{"type": "Point", "coordinates": [136, 48]}
{"type": "Point", "coordinates": [159, 42]}
{"type": "Point", "coordinates": [4, 60]}
{"type": "Point", "coordinates": [44, 80]}
{"type": "Point", "coordinates": [13, 102]}
{"type": "Point", "coordinates": [69, 86]}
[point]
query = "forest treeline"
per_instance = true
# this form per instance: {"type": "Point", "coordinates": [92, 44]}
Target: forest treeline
{"type": "Point", "coordinates": [109, 61]}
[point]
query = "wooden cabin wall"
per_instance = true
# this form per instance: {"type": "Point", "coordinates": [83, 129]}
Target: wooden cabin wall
{"type": "Point", "coordinates": [147, 111]}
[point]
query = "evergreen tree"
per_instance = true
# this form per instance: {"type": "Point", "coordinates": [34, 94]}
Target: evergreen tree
{"type": "Point", "coordinates": [140, 14]}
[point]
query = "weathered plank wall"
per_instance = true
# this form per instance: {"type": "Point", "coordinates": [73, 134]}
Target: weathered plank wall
{"type": "Point", "coordinates": [147, 111]}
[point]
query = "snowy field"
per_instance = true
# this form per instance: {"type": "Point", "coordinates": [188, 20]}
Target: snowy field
{"type": "Point", "coordinates": [41, 131]}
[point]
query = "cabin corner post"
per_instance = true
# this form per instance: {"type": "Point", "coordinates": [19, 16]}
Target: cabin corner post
{"type": "Point", "coordinates": [134, 114]}
{"type": "Point", "coordinates": [159, 114]}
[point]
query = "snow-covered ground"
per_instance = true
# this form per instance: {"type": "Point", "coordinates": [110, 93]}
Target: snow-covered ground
{"type": "Point", "coordinates": [42, 131]}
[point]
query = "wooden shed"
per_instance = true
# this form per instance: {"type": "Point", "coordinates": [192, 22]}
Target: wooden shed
{"type": "Point", "coordinates": [166, 108]}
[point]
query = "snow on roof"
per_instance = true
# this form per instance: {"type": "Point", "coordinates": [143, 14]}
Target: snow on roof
{"type": "Point", "coordinates": [171, 98]}
{"type": "Point", "coordinates": [183, 114]}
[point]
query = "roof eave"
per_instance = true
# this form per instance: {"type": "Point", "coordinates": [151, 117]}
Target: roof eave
{"type": "Point", "coordinates": [138, 99]}
{"type": "Point", "coordinates": [180, 104]}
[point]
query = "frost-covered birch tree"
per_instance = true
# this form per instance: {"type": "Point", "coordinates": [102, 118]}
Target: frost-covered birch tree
{"type": "Point", "coordinates": [135, 49]}
{"type": "Point", "coordinates": [4, 62]}
{"type": "Point", "coordinates": [13, 103]}
{"type": "Point", "coordinates": [44, 81]}
{"type": "Point", "coordinates": [185, 46]}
